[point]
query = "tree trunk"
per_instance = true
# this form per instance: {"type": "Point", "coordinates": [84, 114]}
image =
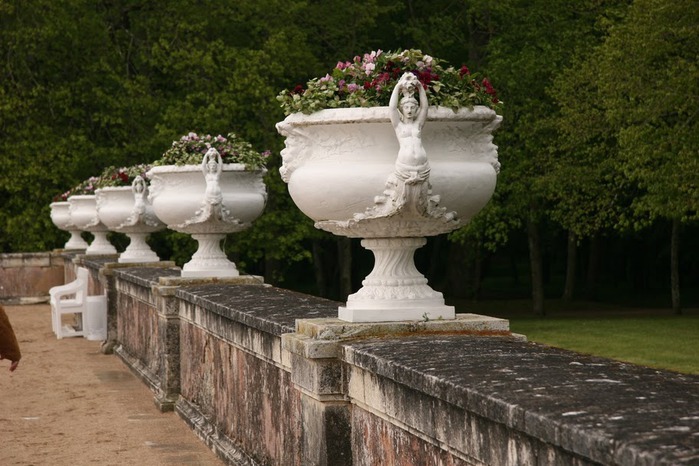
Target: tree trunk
{"type": "Point", "coordinates": [536, 267]}
{"type": "Point", "coordinates": [675, 266]}
{"type": "Point", "coordinates": [571, 266]}
{"type": "Point", "coordinates": [477, 272]}
{"type": "Point", "coordinates": [272, 271]}
{"type": "Point", "coordinates": [592, 268]}
{"type": "Point", "coordinates": [344, 259]}
{"type": "Point", "coordinates": [319, 269]}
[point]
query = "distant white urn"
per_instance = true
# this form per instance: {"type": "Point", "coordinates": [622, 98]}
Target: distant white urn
{"type": "Point", "coordinates": [207, 202]}
{"type": "Point", "coordinates": [126, 209]}
{"type": "Point", "coordinates": [60, 216]}
{"type": "Point", "coordinates": [83, 214]}
{"type": "Point", "coordinates": [370, 173]}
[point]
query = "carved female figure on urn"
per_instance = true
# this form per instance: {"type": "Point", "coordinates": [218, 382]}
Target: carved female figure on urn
{"type": "Point", "coordinates": [408, 118]}
{"type": "Point", "coordinates": [212, 165]}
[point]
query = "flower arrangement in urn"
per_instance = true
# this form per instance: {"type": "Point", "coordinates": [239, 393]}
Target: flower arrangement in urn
{"type": "Point", "coordinates": [208, 186]}
{"type": "Point", "coordinates": [192, 148]}
{"type": "Point", "coordinates": [110, 177]}
{"type": "Point", "coordinates": [391, 147]}
{"type": "Point", "coordinates": [367, 81]}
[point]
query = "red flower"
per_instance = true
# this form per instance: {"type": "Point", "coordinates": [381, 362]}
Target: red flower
{"type": "Point", "coordinates": [298, 89]}
{"type": "Point", "coordinates": [488, 87]}
{"type": "Point", "coordinates": [426, 77]}
{"type": "Point", "coordinates": [464, 71]}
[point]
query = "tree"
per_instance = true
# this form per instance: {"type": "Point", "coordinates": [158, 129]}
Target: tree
{"type": "Point", "coordinates": [533, 42]}
{"type": "Point", "coordinates": [587, 193]}
{"type": "Point", "coordinates": [648, 76]}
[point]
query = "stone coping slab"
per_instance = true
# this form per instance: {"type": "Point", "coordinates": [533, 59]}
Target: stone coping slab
{"type": "Point", "coordinates": [608, 411]}
{"type": "Point", "coordinates": [321, 338]}
{"type": "Point", "coordinates": [28, 259]}
{"type": "Point", "coordinates": [95, 261]}
{"type": "Point", "coordinates": [146, 276]}
{"type": "Point", "coordinates": [266, 308]}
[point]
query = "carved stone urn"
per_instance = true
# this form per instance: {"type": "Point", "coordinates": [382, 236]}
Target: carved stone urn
{"type": "Point", "coordinates": [60, 216]}
{"type": "Point", "coordinates": [126, 209]}
{"type": "Point", "coordinates": [83, 214]}
{"type": "Point", "coordinates": [391, 175]}
{"type": "Point", "coordinates": [207, 202]}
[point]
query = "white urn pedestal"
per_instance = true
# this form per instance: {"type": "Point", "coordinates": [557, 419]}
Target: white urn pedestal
{"type": "Point", "coordinates": [60, 216]}
{"type": "Point", "coordinates": [207, 203]}
{"type": "Point", "coordinates": [342, 171]}
{"type": "Point", "coordinates": [83, 214]}
{"type": "Point", "coordinates": [126, 209]}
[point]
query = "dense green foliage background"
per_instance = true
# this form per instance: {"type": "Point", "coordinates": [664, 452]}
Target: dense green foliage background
{"type": "Point", "coordinates": [600, 173]}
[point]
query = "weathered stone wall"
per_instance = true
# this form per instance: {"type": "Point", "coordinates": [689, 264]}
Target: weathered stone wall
{"type": "Point", "coordinates": [146, 328]}
{"type": "Point", "coordinates": [28, 277]}
{"type": "Point", "coordinates": [235, 378]}
{"type": "Point", "coordinates": [504, 401]}
{"type": "Point", "coordinates": [267, 376]}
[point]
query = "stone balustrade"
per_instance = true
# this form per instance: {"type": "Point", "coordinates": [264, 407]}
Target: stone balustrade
{"type": "Point", "coordinates": [268, 376]}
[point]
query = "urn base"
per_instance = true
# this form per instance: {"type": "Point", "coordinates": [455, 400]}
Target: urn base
{"type": "Point", "coordinates": [100, 245]}
{"type": "Point", "coordinates": [395, 290]}
{"type": "Point", "coordinates": [209, 260]}
{"type": "Point", "coordinates": [138, 250]}
{"type": "Point", "coordinates": [76, 241]}
{"type": "Point", "coordinates": [406, 313]}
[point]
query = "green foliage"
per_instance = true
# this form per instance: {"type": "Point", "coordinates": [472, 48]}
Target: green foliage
{"type": "Point", "coordinates": [649, 82]}
{"type": "Point", "coordinates": [599, 129]}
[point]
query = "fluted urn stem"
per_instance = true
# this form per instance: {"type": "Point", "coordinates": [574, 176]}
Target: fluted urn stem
{"type": "Point", "coordinates": [100, 245]}
{"type": "Point", "coordinates": [138, 250]}
{"type": "Point", "coordinates": [209, 260]}
{"type": "Point", "coordinates": [395, 287]}
{"type": "Point", "coordinates": [76, 241]}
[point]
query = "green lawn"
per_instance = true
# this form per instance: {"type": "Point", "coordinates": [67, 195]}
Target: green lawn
{"type": "Point", "coordinates": [649, 337]}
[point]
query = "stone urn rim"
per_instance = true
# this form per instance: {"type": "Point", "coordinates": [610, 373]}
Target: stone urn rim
{"type": "Point", "coordinates": [381, 114]}
{"type": "Point", "coordinates": [81, 196]}
{"type": "Point", "coordinates": [240, 167]}
{"type": "Point", "coordinates": [113, 188]}
{"type": "Point", "coordinates": [58, 202]}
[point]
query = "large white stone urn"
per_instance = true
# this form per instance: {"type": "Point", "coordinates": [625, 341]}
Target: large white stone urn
{"type": "Point", "coordinates": [371, 173]}
{"type": "Point", "coordinates": [126, 209]}
{"type": "Point", "coordinates": [60, 216]}
{"type": "Point", "coordinates": [207, 202]}
{"type": "Point", "coordinates": [83, 214]}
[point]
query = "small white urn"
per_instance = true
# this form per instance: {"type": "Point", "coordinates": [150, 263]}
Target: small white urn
{"type": "Point", "coordinates": [372, 173]}
{"type": "Point", "coordinates": [126, 209]}
{"type": "Point", "coordinates": [207, 202]}
{"type": "Point", "coordinates": [60, 216]}
{"type": "Point", "coordinates": [83, 214]}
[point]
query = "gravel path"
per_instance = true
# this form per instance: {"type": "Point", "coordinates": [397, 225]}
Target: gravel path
{"type": "Point", "coordinates": [69, 404]}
